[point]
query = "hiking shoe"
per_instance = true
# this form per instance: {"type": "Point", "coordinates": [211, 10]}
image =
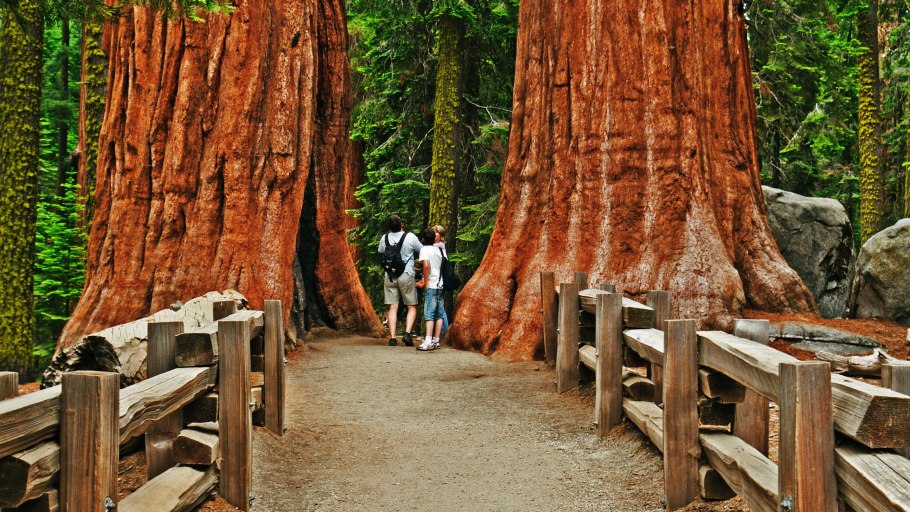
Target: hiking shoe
{"type": "Point", "coordinates": [393, 342]}
{"type": "Point", "coordinates": [435, 344]}
{"type": "Point", "coordinates": [408, 341]}
{"type": "Point", "coordinates": [427, 345]}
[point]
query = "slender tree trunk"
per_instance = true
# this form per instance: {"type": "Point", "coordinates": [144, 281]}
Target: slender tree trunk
{"type": "Point", "coordinates": [63, 128]}
{"type": "Point", "coordinates": [906, 208]}
{"type": "Point", "coordinates": [872, 209]}
{"type": "Point", "coordinates": [632, 156]}
{"type": "Point", "coordinates": [21, 59]}
{"type": "Point", "coordinates": [222, 161]}
{"type": "Point", "coordinates": [447, 127]}
{"type": "Point", "coordinates": [91, 112]}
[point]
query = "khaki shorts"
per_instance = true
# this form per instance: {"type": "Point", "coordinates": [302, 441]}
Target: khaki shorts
{"type": "Point", "coordinates": [402, 289]}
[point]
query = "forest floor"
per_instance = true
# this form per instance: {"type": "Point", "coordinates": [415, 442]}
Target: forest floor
{"type": "Point", "coordinates": [378, 428]}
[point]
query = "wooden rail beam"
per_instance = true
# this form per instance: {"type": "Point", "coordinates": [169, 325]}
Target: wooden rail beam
{"type": "Point", "coordinates": [872, 480]}
{"type": "Point", "coordinates": [751, 421]}
{"type": "Point", "coordinates": [146, 402]}
{"type": "Point", "coordinates": [635, 315]}
{"type": "Point", "coordinates": [28, 474]}
{"type": "Point", "coordinates": [179, 489]}
{"type": "Point", "coordinates": [661, 302]}
{"type": "Point", "coordinates": [567, 347]}
{"type": "Point", "coordinates": [748, 472]}
{"type": "Point", "coordinates": [88, 441]}
{"type": "Point", "coordinates": [608, 380]}
{"type": "Point", "coordinates": [29, 419]}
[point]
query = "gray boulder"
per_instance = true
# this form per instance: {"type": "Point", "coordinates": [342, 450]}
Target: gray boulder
{"type": "Point", "coordinates": [816, 238]}
{"type": "Point", "coordinates": [882, 285]}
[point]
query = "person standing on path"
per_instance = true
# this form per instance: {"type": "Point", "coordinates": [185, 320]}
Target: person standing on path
{"type": "Point", "coordinates": [400, 288]}
{"type": "Point", "coordinates": [433, 310]}
{"type": "Point", "coordinates": [441, 243]}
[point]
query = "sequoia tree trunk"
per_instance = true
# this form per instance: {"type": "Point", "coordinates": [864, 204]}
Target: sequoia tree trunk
{"type": "Point", "coordinates": [632, 156]}
{"type": "Point", "coordinates": [222, 161]}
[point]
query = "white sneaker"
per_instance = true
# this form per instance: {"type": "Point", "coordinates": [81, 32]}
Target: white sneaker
{"type": "Point", "coordinates": [427, 345]}
{"type": "Point", "coordinates": [435, 343]}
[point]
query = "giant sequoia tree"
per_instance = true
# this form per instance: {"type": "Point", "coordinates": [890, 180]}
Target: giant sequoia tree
{"type": "Point", "coordinates": [223, 163]}
{"type": "Point", "coordinates": [632, 156]}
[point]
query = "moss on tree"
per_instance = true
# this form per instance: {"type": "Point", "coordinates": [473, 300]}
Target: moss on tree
{"type": "Point", "coordinates": [21, 58]}
{"type": "Point", "coordinates": [94, 81]}
{"type": "Point", "coordinates": [872, 182]}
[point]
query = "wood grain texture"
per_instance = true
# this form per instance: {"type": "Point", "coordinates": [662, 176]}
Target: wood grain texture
{"type": "Point", "coordinates": [223, 309]}
{"type": "Point", "coordinates": [648, 417]}
{"type": "Point", "coordinates": [661, 302]}
{"type": "Point", "coordinates": [196, 447]}
{"type": "Point", "coordinates": [747, 471]}
{"type": "Point", "coordinates": [713, 486]}
{"type": "Point", "coordinates": [143, 404]}
{"type": "Point", "coordinates": [199, 346]}
{"type": "Point", "coordinates": [751, 421]}
{"type": "Point", "coordinates": [721, 388]}
{"type": "Point", "coordinates": [234, 415]}
{"type": "Point", "coordinates": [47, 502]}
{"type": "Point", "coordinates": [550, 311]}
{"type": "Point", "coordinates": [806, 467]}
{"type": "Point", "coordinates": [159, 437]}
{"type": "Point", "coordinates": [896, 376]}
{"type": "Point", "coordinates": [89, 440]}
{"type": "Point", "coordinates": [636, 387]}
{"type": "Point", "coordinates": [28, 474]}
{"type": "Point", "coordinates": [9, 385]}
{"type": "Point", "coordinates": [567, 345]}
{"type": "Point", "coordinates": [608, 380]}
{"type": "Point", "coordinates": [179, 489]}
{"type": "Point", "coordinates": [648, 343]}
{"type": "Point", "coordinates": [274, 386]}
{"type": "Point", "coordinates": [635, 315]}
{"type": "Point", "coordinates": [872, 480]}
{"type": "Point", "coordinates": [29, 419]}
{"type": "Point", "coordinates": [681, 448]}
{"type": "Point", "coordinates": [202, 410]}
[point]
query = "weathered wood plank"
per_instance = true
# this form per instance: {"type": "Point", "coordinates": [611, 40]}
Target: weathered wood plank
{"type": "Point", "coordinates": [89, 447]}
{"type": "Point", "coordinates": [274, 386]}
{"type": "Point", "coordinates": [721, 388]}
{"type": "Point", "coordinates": [159, 453]}
{"type": "Point", "coordinates": [223, 309]}
{"type": "Point", "coordinates": [202, 410]}
{"type": "Point", "coordinates": [144, 403]}
{"type": "Point", "coordinates": [567, 346]}
{"type": "Point", "coordinates": [550, 311]}
{"type": "Point", "coordinates": [608, 380]}
{"type": "Point", "coordinates": [581, 279]}
{"type": "Point", "coordinates": [648, 417]}
{"type": "Point", "coordinates": [751, 421]}
{"type": "Point", "coordinates": [872, 480]}
{"type": "Point", "coordinates": [896, 376]}
{"type": "Point", "coordinates": [681, 448]}
{"type": "Point", "coordinates": [749, 473]}
{"type": "Point", "coordinates": [635, 315]}
{"type": "Point", "coordinates": [28, 419]}
{"type": "Point", "coordinates": [636, 387]}
{"type": "Point", "coordinates": [196, 447]}
{"type": "Point", "coordinates": [47, 502]}
{"type": "Point", "coordinates": [661, 302]}
{"type": "Point", "coordinates": [867, 413]}
{"type": "Point", "coordinates": [587, 357]}
{"type": "Point", "coordinates": [199, 347]}
{"type": "Point", "coordinates": [648, 343]}
{"type": "Point", "coordinates": [9, 385]}
{"type": "Point", "coordinates": [806, 468]}
{"type": "Point", "coordinates": [234, 415]}
{"type": "Point", "coordinates": [179, 489]}
{"type": "Point", "coordinates": [28, 474]}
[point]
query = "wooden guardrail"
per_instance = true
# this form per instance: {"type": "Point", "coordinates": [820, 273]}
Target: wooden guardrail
{"type": "Point", "coordinates": [59, 447]}
{"type": "Point", "coordinates": [842, 442]}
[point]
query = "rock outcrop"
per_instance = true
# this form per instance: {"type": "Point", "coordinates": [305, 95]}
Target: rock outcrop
{"type": "Point", "coordinates": [882, 284]}
{"type": "Point", "coordinates": [816, 238]}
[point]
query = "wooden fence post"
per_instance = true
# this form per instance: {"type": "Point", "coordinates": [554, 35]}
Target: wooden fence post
{"type": "Point", "coordinates": [89, 440]}
{"type": "Point", "coordinates": [660, 301]}
{"type": "Point", "coordinates": [750, 421]}
{"type": "Point", "coordinates": [159, 438]}
{"type": "Point", "coordinates": [581, 279]}
{"type": "Point", "coordinates": [274, 367]}
{"type": "Point", "coordinates": [608, 394]}
{"type": "Point", "coordinates": [897, 377]}
{"type": "Point", "coordinates": [607, 287]}
{"type": "Point", "coordinates": [681, 447]}
{"type": "Point", "coordinates": [806, 481]}
{"type": "Point", "coordinates": [567, 348]}
{"type": "Point", "coordinates": [223, 309]}
{"type": "Point", "coordinates": [550, 310]}
{"type": "Point", "coordinates": [235, 428]}
{"type": "Point", "coordinates": [9, 385]}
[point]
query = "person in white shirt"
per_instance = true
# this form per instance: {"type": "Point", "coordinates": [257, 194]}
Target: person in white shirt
{"type": "Point", "coordinates": [433, 310]}
{"type": "Point", "coordinates": [401, 288]}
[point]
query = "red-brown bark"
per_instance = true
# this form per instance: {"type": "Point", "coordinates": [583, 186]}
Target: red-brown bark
{"type": "Point", "coordinates": [223, 159]}
{"type": "Point", "coordinates": [632, 156]}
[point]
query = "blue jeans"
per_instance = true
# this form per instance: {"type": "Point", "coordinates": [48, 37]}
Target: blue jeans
{"type": "Point", "coordinates": [433, 306]}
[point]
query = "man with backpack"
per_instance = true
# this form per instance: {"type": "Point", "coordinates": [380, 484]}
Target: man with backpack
{"type": "Point", "coordinates": [438, 277]}
{"type": "Point", "coordinates": [397, 249]}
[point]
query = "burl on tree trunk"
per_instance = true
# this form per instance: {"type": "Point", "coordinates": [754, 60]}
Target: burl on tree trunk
{"type": "Point", "coordinates": [224, 163]}
{"type": "Point", "coordinates": [632, 156]}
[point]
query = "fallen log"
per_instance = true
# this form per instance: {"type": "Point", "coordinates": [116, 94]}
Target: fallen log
{"type": "Point", "coordinates": [122, 348]}
{"type": "Point", "coordinates": [28, 474]}
{"type": "Point", "coordinates": [199, 346]}
{"type": "Point", "coordinates": [178, 489]}
{"type": "Point", "coordinates": [870, 365]}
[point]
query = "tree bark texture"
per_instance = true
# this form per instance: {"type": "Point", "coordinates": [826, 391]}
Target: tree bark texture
{"type": "Point", "coordinates": [873, 207]}
{"type": "Point", "coordinates": [63, 126]}
{"type": "Point", "coordinates": [447, 127]}
{"type": "Point", "coordinates": [632, 157]}
{"type": "Point", "coordinates": [22, 62]}
{"type": "Point", "coordinates": [223, 160]}
{"type": "Point", "coordinates": [91, 113]}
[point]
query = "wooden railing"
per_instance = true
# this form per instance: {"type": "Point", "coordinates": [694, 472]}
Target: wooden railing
{"type": "Point", "coordinates": [59, 447]}
{"type": "Point", "coordinates": [704, 402]}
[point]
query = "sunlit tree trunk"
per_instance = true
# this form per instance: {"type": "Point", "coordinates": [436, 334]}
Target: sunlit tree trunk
{"type": "Point", "coordinates": [91, 111]}
{"type": "Point", "coordinates": [21, 62]}
{"type": "Point", "coordinates": [873, 208]}
{"type": "Point", "coordinates": [632, 156]}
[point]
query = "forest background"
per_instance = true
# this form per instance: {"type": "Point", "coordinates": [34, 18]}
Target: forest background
{"type": "Point", "coordinates": [433, 98]}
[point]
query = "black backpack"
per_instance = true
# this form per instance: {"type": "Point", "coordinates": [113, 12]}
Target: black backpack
{"type": "Point", "coordinates": [450, 280]}
{"type": "Point", "coordinates": [391, 259]}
